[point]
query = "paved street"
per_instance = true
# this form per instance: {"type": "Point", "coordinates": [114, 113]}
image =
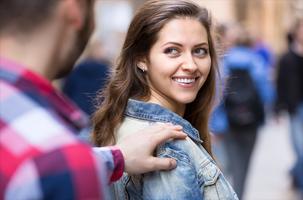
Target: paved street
{"type": "Point", "coordinates": [268, 177]}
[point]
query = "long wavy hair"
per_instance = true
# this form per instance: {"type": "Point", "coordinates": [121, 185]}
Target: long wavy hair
{"type": "Point", "coordinates": [128, 81]}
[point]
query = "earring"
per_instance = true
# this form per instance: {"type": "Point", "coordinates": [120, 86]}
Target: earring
{"type": "Point", "coordinates": [143, 68]}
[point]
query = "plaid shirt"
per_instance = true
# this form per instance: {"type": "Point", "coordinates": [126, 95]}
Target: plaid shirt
{"type": "Point", "coordinates": [40, 155]}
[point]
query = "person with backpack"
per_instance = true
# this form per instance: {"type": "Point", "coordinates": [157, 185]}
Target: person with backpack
{"type": "Point", "coordinates": [244, 97]}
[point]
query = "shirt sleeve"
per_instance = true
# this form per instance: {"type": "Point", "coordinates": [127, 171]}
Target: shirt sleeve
{"type": "Point", "coordinates": [113, 159]}
{"type": "Point", "coordinates": [70, 172]}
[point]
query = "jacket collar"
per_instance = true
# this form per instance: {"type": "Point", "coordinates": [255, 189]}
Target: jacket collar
{"type": "Point", "coordinates": [156, 113]}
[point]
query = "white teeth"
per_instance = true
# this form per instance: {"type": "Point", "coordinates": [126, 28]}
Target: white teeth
{"type": "Point", "coordinates": [184, 80]}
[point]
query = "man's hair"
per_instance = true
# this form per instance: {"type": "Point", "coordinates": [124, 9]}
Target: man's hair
{"type": "Point", "coordinates": [22, 16]}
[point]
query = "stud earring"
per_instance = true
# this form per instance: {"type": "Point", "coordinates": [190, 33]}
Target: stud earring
{"type": "Point", "coordinates": [143, 68]}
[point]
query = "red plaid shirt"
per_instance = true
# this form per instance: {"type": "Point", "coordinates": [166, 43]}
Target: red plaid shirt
{"type": "Point", "coordinates": [40, 155]}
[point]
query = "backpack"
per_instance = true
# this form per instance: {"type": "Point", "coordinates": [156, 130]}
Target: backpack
{"type": "Point", "coordinates": [242, 101]}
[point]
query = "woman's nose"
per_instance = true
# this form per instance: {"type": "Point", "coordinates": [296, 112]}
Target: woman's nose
{"type": "Point", "coordinates": [189, 64]}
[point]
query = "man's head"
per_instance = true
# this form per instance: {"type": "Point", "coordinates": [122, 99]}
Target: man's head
{"type": "Point", "coordinates": [19, 16]}
{"type": "Point", "coordinates": [66, 23]}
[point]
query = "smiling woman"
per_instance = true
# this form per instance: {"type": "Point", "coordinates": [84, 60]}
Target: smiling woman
{"type": "Point", "coordinates": [166, 73]}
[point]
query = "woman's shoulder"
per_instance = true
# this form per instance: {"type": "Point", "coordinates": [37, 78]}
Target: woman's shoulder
{"type": "Point", "coordinates": [131, 125]}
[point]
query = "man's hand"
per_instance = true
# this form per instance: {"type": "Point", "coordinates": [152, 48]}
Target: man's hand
{"type": "Point", "coordinates": [138, 148]}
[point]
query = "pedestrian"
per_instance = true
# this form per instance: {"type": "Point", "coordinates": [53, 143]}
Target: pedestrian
{"type": "Point", "coordinates": [290, 94]}
{"type": "Point", "coordinates": [166, 73]}
{"type": "Point", "coordinates": [218, 120]}
{"type": "Point", "coordinates": [245, 94]}
{"type": "Point", "coordinates": [40, 155]}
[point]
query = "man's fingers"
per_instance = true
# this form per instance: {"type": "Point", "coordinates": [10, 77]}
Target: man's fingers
{"type": "Point", "coordinates": [167, 134]}
{"type": "Point", "coordinates": [163, 163]}
{"type": "Point", "coordinates": [162, 126]}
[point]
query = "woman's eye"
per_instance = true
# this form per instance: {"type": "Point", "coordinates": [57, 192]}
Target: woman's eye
{"type": "Point", "coordinates": [171, 51]}
{"type": "Point", "coordinates": [200, 52]}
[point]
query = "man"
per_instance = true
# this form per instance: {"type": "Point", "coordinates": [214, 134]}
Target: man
{"type": "Point", "coordinates": [40, 156]}
{"type": "Point", "coordinates": [290, 95]}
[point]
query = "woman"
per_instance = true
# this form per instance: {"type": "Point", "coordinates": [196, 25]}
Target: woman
{"type": "Point", "coordinates": [166, 73]}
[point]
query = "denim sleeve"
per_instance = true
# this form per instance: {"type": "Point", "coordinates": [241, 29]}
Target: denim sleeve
{"type": "Point", "coordinates": [180, 183]}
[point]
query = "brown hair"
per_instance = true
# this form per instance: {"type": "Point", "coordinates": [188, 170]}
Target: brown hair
{"type": "Point", "coordinates": [129, 82]}
{"type": "Point", "coordinates": [21, 16]}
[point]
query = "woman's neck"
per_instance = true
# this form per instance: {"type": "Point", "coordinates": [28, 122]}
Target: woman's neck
{"type": "Point", "coordinates": [167, 103]}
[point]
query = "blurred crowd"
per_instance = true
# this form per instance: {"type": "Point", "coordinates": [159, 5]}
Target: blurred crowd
{"type": "Point", "coordinates": [278, 81]}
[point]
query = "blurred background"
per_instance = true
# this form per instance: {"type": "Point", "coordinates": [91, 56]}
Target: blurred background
{"type": "Point", "coordinates": [268, 22]}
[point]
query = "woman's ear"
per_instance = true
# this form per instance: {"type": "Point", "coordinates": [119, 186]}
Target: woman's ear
{"type": "Point", "coordinates": [142, 65]}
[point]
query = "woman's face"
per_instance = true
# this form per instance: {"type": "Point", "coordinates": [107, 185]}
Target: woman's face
{"type": "Point", "coordinates": [178, 64]}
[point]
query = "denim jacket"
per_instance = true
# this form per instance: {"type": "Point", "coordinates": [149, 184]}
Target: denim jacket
{"type": "Point", "coordinates": [196, 175]}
